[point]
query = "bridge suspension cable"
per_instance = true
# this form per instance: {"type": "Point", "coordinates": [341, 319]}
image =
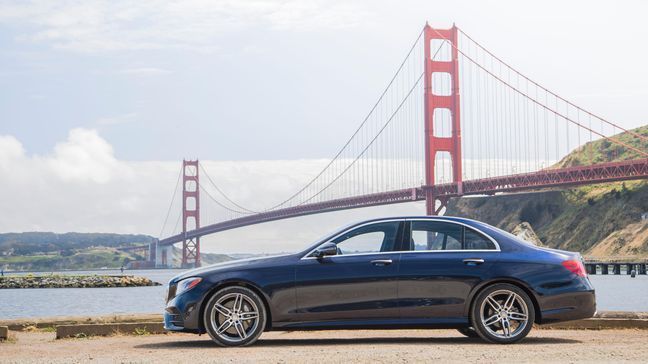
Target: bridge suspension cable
{"type": "Point", "coordinates": [370, 143]}
{"type": "Point", "coordinates": [242, 210]}
{"type": "Point", "coordinates": [175, 191]}
{"type": "Point", "coordinates": [354, 135]}
{"type": "Point", "coordinates": [549, 91]}
{"type": "Point", "coordinates": [534, 100]}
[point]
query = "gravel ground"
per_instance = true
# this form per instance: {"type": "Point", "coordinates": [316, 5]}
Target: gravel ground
{"type": "Point", "coordinates": [564, 346]}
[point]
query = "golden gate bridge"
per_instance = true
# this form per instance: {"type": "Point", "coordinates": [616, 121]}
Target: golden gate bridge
{"type": "Point", "coordinates": [454, 120]}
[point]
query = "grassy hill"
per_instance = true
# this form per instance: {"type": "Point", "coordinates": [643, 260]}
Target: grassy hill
{"type": "Point", "coordinates": [45, 251]}
{"type": "Point", "coordinates": [90, 258]}
{"type": "Point", "coordinates": [597, 220]}
{"type": "Point", "coordinates": [603, 150]}
{"type": "Point", "coordinates": [46, 242]}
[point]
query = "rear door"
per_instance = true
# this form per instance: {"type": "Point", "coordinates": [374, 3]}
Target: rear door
{"type": "Point", "coordinates": [358, 283]}
{"type": "Point", "coordinates": [441, 263]}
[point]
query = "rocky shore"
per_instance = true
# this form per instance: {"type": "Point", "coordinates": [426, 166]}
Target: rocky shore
{"type": "Point", "coordinates": [72, 281]}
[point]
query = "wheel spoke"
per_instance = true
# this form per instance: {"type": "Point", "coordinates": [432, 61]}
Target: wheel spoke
{"type": "Point", "coordinates": [240, 330]}
{"type": "Point", "coordinates": [249, 315]}
{"type": "Point", "coordinates": [518, 316]}
{"type": "Point", "coordinates": [222, 309]}
{"type": "Point", "coordinates": [238, 302]}
{"type": "Point", "coordinates": [224, 326]}
{"type": "Point", "coordinates": [491, 320]}
{"type": "Point", "coordinates": [506, 327]}
{"type": "Point", "coordinates": [491, 301]}
{"type": "Point", "coordinates": [510, 300]}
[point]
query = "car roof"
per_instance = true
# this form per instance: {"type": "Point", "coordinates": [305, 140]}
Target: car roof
{"type": "Point", "coordinates": [422, 217]}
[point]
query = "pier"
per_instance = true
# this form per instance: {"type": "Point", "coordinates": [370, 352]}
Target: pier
{"type": "Point", "coordinates": [611, 266]}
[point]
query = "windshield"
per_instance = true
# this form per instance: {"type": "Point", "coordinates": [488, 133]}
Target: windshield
{"type": "Point", "coordinates": [324, 238]}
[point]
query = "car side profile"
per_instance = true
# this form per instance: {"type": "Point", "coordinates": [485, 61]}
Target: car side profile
{"type": "Point", "coordinates": [403, 272]}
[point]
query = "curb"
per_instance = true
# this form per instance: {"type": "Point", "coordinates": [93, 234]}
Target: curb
{"type": "Point", "coordinates": [21, 324]}
{"type": "Point", "coordinates": [78, 331]}
{"type": "Point", "coordinates": [599, 324]}
{"type": "Point", "coordinates": [152, 323]}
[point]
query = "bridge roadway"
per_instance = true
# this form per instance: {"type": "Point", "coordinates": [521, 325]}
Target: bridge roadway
{"type": "Point", "coordinates": [563, 177]}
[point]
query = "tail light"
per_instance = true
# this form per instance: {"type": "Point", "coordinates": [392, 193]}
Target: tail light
{"type": "Point", "coordinates": [575, 266]}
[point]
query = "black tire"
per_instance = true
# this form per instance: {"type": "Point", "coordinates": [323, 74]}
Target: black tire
{"type": "Point", "coordinates": [241, 331]}
{"type": "Point", "coordinates": [468, 332]}
{"type": "Point", "coordinates": [487, 319]}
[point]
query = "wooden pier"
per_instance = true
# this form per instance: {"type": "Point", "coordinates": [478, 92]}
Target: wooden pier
{"type": "Point", "coordinates": [606, 267]}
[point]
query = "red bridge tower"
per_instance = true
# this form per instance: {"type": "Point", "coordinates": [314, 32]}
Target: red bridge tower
{"type": "Point", "coordinates": [448, 104]}
{"type": "Point", "coordinates": [190, 213]}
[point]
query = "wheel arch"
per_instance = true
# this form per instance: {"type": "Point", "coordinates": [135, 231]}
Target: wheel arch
{"type": "Point", "coordinates": [516, 282]}
{"type": "Point", "coordinates": [235, 283]}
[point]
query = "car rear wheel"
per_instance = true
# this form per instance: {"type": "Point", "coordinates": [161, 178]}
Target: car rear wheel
{"type": "Point", "coordinates": [503, 314]}
{"type": "Point", "coordinates": [235, 316]}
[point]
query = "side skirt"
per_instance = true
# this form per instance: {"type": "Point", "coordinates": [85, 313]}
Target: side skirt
{"type": "Point", "coordinates": [381, 324]}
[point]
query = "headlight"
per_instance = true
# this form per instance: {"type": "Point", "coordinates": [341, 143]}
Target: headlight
{"type": "Point", "coordinates": [186, 284]}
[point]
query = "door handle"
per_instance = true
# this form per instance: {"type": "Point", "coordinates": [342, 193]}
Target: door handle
{"type": "Point", "coordinates": [381, 262]}
{"type": "Point", "coordinates": [473, 261]}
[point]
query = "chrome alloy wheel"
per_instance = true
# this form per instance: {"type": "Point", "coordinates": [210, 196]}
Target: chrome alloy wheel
{"type": "Point", "coordinates": [234, 317]}
{"type": "Point", "coordinates": [504, 314]}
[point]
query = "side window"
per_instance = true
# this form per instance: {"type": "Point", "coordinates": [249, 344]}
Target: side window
{"type": "Point", "coordinates": [435, 235]}
{"type": "Point", "coordinates": [439, 235]}
{"type": "Point", "coordinates": [476, 241]}
{"type": "Point", "coordinates": [374, 238]}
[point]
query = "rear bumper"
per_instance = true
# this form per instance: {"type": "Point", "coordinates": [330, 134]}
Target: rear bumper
{"type": "Point", "coordinates": [568, 307]}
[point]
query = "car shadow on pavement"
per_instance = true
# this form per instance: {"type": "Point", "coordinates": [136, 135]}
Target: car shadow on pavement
{"type": "Point", "coordinates": [359, 341]}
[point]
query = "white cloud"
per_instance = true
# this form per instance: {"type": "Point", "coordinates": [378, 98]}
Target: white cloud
{"type": "Point", "coordinates": [109, 25]}
{"type": "Point", "coordinates": [84, 156]}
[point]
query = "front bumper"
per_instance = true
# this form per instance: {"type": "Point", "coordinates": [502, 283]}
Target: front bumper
{"type": "Point", "coordinates": [182, 313]}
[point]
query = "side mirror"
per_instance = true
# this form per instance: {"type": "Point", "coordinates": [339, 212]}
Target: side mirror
{"type": "Point", "coordinates": [325, 249]}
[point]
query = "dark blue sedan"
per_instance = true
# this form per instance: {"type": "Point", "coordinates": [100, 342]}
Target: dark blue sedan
{"type": "Point", "coordinates": [405, 272]}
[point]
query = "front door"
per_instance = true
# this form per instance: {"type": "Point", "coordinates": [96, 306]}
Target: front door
{"type": "Point", "coordinates": [358, 283]}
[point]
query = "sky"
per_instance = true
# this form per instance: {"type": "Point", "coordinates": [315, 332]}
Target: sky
{"type": "Point", "coordinates": [101, 100]}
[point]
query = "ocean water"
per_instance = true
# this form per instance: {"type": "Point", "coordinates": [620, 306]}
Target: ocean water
{"type": "Point", "coordinates": [613, 293]}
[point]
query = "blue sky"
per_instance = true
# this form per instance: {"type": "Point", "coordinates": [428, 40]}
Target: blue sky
{"type": "Point", "coordinates": [109, 87]}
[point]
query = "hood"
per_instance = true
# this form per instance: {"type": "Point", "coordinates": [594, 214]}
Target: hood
{"type": "Point", "coordinates": [230, 265]}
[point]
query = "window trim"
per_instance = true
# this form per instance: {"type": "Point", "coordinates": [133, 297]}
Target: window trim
{"type": "Point", "coordinates": [374, 222]}
{"type": "Point", "coordinates": [401, 243]}
{"type": "Point", "coordinates": [497, 246]}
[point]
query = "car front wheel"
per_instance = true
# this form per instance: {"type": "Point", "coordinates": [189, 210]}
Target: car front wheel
{"type": "Point", "coordinates": [502, 313]}
{"type": "Point", "coordinates": [235, 316]}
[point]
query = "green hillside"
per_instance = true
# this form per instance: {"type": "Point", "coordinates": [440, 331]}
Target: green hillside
{"type": "Point", "coordinates": [603, 150]}
{"type": "Point", "coordinates": [46, 242]}
{"type": "Point", "coordinates": [90, 258]}
{"type": "Point", "coordinates": [45, 251]}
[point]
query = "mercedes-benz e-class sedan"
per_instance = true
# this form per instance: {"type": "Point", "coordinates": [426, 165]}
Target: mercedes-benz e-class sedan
{"type": "Point", "coordinates": [405, 272]}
